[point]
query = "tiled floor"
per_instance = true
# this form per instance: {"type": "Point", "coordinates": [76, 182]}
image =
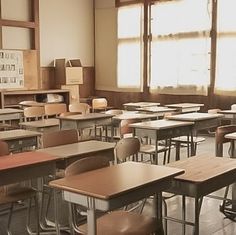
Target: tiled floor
{"type": "Point", "coordinates": [211, 220]}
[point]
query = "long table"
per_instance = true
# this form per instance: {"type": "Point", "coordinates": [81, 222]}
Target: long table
{"type": "Point", "coordinates": [112, 187]}
{"type": "Point", "coordinates": [203, 175]}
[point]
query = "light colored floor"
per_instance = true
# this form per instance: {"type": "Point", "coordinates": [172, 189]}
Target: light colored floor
{"type": "Point", "coordinates": [212, 221]}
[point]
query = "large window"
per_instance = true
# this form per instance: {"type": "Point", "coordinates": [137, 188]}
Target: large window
{"type": "Point", "coordinates": [180, 46]}
{"type": "Point", "coordinates": [225, 82]}
{"type": "Point", "coordinates": [129, 62]}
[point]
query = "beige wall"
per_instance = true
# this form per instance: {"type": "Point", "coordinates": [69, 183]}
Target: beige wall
{"type": "Point", "coordinates": [15, 10]}
{"type": "Point", "coordinates": [66, 31]}
{"type": "Point", "coordinates": [106, 46]}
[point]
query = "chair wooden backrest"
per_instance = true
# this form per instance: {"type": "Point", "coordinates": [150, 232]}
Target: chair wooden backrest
{"type": "Point", "coordinates": [126, 147]}
{"type": "Point", "coordinates": [114, 111]}
{"type": "Point", "coordinates": [55, 109]}
{"type": "Point", "coordinates": [61, 137]}
{"type": "Point", "coordinates": [82, 108]}
{"type": "Point", "coordinates": [220, 139]}
{"type": "Point", "coordinates": [213, 111]}
{"type": "Point", "coordinates": [99, 104]}
{"type": "Point", "coordinates": [124, 127]}
{"type": "Point", "coordinates": [4, 150]}
{"type": "Point", "coordinates": [87, 164]}
{"type": "Point", "coordinates": [233, 106]}
{"type": "Point", "coordinates": [33, 113]}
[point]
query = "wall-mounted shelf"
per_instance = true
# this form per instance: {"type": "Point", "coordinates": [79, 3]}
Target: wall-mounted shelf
{"type": "Point", "coordinates": [13, 98]}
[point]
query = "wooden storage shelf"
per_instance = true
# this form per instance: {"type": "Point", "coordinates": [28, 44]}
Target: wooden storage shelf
{"type": "Point", "coordinates": [13, 98]}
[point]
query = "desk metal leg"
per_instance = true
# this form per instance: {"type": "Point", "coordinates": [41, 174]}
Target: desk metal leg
{"type": "Point", "coordinates": [198, 204]}
{"type": "Point", "coordinates": [91, 217]}
{"type": "Point", "coordinates": [157, 210]}
{"type": "Point", "coordinates": [57, 226]}
{"type": "Point", "coordinates": [183, 214]}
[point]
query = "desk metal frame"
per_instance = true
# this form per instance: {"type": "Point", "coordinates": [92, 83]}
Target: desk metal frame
{"type": "Point", "coordinates": [121, 192]}
{"type": "Point", "coordinates": [203, 175]}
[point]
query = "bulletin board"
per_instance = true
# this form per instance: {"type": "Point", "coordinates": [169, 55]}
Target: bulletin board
{"type": "Point", "coordinates": [11, 69]}
{"type": "Point", "coordinates": [21, 72]}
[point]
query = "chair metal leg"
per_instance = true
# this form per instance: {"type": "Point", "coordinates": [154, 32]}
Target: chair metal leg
{"type": "Point", "coordinates": [9, 219]}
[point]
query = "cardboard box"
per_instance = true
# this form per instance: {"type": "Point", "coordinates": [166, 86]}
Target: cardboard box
{"type": "Point", "coordinates": [68, 73]}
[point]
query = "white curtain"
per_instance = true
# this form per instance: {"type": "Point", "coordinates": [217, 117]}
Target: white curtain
{"type": "Point", "coordinates": [180, 47]}
{"type": "Point", "coordinates": [129, 61]}
{"type": "Point", "coordinates": [225, 82]}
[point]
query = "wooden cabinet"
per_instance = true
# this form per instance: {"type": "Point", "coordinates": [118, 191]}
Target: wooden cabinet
{"type": "Point", "coordinates": [74, 92]}
{"type": "Point", "coordinates": [13, 98]}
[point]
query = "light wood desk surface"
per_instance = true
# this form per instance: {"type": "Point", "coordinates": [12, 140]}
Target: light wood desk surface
{"type": "Point", "coordinates": [18, 134]}
{"type": "Point", "coordinates": [162, 130]}
{"type": "Point", "coordinates": [160, 124]}
{"type": "Point", "coordinates": [10, 114]}
{"type": "Point", "coordinates": [230, 113]}
{"type": "Point", "coordinates": [84, 121]}
{"type": "Point", "coordinates": [202, 121]}
{"type": "Point", "coordinates": [203, 175]}
{"type": "Point", "coordinates": [156, 109]}
{"type": "Point", "coordinates": [71, 152]}
{"type": "Point", "coordinates": [115, 186]}
{"type": "Point", "coordinates": [135, 105]}
{"type": "Point", "coordinates": [137, 116]}
{"type": "Point", "coordinates": [19, 139]}
{"type": "Point", "coordinates": [185, 107]}
{"type": "Point", "coordinates": [41, 125]}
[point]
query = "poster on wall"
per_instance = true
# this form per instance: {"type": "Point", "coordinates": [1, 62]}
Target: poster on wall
{"type": "Point", "coordinates": [11, 69]}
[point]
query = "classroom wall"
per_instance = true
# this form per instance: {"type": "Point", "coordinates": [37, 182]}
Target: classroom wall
{"type": "Point", "coordinates": [15, 10]}
{"type": "Point", "coordinates": [105, 45]}
{"type": "Point", "coordinates": [66, 31]}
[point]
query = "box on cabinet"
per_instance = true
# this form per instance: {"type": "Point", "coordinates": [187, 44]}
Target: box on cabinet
{"type": "Point", "coordinates": [68, 72]}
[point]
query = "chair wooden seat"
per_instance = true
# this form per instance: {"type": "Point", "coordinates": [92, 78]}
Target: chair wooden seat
{"type": "Point", "coordinates": [125, 223]}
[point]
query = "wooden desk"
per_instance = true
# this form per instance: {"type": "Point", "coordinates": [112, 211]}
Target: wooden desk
{"type": "Point", "coordinates": [201, 121]}
{"type": "Point", "coordinates": [158, 110]}
{"type": "Point", "coordinates": [185, 107]}
{"type": "Point", "coordinates": [112, 187]}
{"type": "Point", "coordinates": [71, 152]}
{"type": "Point", "coordinates": [163, 129]}
{"type": "Point", "coordinates": [135, 105]}
{"type": "Point", "coordinates": [19, 139]}
{"type": "Point", "coordinates": [46, 125]}
{"type": "Point", "coordinates": [10, 114]}
{"type": "Point", "coordinates": [80, 122]}
{"type": "Point", "coordinates": [203, 175]}
{"type": "Point", "coordinates": [24, 166]}
{"type": "Point", "coordinates": [231, 114]}
{"type": "Point", "coordinates": [136, 116]}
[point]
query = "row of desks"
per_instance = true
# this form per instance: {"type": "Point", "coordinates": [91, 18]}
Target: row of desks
{"type": "Point", "coordinates": [105, 189]}
{"type": "Point", "coordinates": [182, 124]}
